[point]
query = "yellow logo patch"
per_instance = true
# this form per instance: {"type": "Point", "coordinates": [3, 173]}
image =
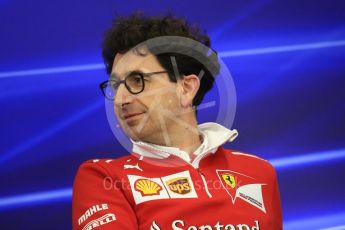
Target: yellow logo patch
{"type": "Point", "coordinates": [229, 179]}
{"type": "Point", "coordinates": [179, 185]}
{"type": "Point", "coordinates": [147, 187]}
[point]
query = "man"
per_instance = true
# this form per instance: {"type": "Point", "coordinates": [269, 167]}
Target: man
{"type": "Point", "coordinates": [178, 176]}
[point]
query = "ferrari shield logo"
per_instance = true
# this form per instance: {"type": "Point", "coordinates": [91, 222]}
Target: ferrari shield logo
{"type": "Point", "coordinates": [229, 179]}
{"type": "Point", "coordinates": [238, 185]}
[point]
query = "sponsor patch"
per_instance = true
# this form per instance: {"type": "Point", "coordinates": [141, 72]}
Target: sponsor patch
{"type": "Point", "coordinates": [136, 166]}
{"type": "Point", "coordinates": [107, 218]}
{"type": "Point", "coordinates": [92, 210]}
{"type": "Point", "coordinates": [182, 225]}
{"type": "Point", "coordinates": [140, 196]}
{"type": "Point", "coordinates": [238, 185]}
{"type": "Point", "coordinates": [178, 185]}
{"type": "Point", "coordinates": [229, 179]}
{"type": "Point", "coordinates": [147, 187]}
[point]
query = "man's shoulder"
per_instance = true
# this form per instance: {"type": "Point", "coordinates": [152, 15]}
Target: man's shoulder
{"type": "Point", "coordinates": [107, 161]}
{"type": "Point", "coordinates": [107, 165]}
{"type": "Point", "coordinates": [247, 158]}
{"type": "Point", "coordinates": [244, 155]}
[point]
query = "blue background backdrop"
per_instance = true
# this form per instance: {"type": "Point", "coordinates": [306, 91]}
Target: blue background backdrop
{"type": "Point", "coordinates": [287, 60]}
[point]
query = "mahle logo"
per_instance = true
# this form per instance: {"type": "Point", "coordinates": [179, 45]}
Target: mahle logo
{"type": "Point", "coordinates": [147, 187]}
{"type": "Point", "coordinates": [229, 179]}
{"type": "Point", "coordinates": [179, 185]}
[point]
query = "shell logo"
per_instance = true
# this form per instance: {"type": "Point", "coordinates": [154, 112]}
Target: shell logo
{"type": "Point", "coordinates": [229, 179]}
{"type": "Point", "coordinates": [147, 187]}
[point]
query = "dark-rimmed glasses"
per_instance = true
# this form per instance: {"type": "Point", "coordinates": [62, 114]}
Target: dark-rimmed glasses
{"type": "Point", "coordinates": [134, 83]}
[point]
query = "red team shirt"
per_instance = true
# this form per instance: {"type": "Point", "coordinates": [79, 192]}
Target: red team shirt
{"type": "Point", "coordinates": [157, 189]}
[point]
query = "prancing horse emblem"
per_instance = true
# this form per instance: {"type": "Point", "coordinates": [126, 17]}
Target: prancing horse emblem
{"type": "Point", "coordinates": [229, 179]}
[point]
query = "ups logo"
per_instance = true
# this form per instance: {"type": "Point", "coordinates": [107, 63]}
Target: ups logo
{"type": "Point", "coordinates": [179, 185]}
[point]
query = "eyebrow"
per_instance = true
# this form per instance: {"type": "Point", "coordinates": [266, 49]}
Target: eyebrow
{"type": "Point", "coordinates": [116, 76]}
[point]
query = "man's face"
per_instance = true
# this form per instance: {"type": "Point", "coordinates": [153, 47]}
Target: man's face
{"type": "Point", "coordinates": [149, 115]}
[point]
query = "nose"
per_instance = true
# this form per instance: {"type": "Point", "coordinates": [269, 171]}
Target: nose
{"type": "Point", "coordinates": [122, 96]}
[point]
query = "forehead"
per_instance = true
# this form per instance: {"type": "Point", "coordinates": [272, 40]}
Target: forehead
{"type": "Point", "coordinates": [133, 61]}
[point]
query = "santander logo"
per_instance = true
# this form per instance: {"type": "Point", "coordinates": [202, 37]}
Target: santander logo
{"type": "Point", "coordinates": [181, 225]}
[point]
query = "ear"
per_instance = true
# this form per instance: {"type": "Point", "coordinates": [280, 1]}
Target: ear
{"type": "Point", "coordinates": [190, 85]}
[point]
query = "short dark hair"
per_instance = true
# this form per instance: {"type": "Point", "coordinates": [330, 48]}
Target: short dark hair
{"type": "Point", "coordinates": [129, 31]}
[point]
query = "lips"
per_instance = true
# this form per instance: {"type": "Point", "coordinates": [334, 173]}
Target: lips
{"type": "Point", "coordinates": [126, 116]}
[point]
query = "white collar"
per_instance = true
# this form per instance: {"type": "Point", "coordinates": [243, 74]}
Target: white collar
{"type": "Point", "coordinates": [214, 135]}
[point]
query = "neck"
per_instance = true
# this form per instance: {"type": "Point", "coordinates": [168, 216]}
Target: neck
{"type": "Point", "coordinates": [183, 135]}
{"type": "Point", "coordinates": [187, 138]}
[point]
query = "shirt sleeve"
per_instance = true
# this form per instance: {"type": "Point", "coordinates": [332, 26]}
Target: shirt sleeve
{"type": "Point", "coordinates": [99, 201]}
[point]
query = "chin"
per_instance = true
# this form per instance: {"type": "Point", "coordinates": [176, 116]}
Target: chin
{"type": "Point", "coordinates": [141, 135]}
{"type": "Point", "coordinates": [134, 134]}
